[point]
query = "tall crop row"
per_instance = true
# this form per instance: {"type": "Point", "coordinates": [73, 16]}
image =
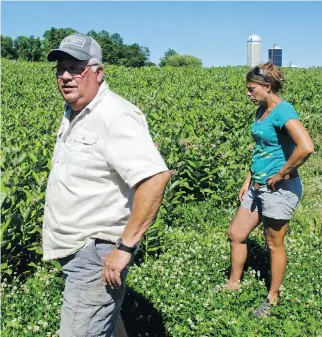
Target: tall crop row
{"type": "Point", "coordinates": [199, 120]}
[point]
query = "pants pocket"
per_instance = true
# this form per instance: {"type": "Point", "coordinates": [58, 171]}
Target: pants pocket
{"type": "Point", "coordinates": [101, 249]}
{"type": "Point", "coordinates": [96, 310]}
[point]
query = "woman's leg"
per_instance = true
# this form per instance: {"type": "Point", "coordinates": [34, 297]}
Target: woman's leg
{"type": "Point", "coordinates": [244, 222]}
{"type": "Point", "coordinates": [275, 231]}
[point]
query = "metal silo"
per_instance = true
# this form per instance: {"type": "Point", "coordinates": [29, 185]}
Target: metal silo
{"type": "Point", "coordinates": [254, 50]}
{"type": "Point", "coordinates": [275, 55]}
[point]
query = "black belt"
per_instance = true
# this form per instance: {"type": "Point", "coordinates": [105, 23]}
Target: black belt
{"type": "Point", "coordinates": [258, 186]}
{"type": "Point", "coordinates": [104, 241]}
{"type": "Point", "coordinates": [287, 176]}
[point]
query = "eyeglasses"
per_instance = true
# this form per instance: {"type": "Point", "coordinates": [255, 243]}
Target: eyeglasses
{"type": "Point", "coordinates": [74, 71]}
{"type": "Point", "coordinates": [258, 71]}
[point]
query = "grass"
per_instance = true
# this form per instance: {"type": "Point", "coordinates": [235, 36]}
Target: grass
{"type": "Point", "coordinates": [184, 283]}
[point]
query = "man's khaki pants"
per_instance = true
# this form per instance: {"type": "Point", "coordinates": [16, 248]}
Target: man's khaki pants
{"type": "Point", "coordinates": [90, 307]}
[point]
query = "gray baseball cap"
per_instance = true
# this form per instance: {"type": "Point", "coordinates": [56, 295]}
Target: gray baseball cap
{"type": "Point", "coordinates": [82, 47]}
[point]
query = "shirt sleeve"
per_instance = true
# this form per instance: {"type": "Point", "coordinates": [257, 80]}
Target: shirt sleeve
{"type": "Point", "coordinates": [284, 115]}
{"type": "Point", "coordinates": [130, 149]}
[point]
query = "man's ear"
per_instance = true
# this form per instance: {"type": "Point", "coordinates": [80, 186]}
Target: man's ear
{"type": "Point", "coordinates": [100, 74]}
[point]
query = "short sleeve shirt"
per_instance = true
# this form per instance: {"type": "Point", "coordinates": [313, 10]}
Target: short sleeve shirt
{"type": "Point", "coordinates": [273, 146]}
{"type": "Point", "coordinates": [98, 159]}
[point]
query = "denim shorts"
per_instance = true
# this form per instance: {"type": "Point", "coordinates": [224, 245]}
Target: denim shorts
{"type": "Point", "coordinates": [90, 306]}
{"type": "Point", "coordinates": [279, 204]}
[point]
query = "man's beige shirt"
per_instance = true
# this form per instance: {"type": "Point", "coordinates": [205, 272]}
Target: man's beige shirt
{"type": "Point", "coordinates": [97, 160]}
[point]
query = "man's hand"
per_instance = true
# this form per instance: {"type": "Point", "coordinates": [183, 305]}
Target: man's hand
{"type": "Point", "coordinates": [114, 263]}
{"type": "Point", "coordinates": [272, 181]}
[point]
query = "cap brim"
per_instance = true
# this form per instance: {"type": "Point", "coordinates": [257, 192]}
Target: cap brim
{"type": "Point", "coordinates": [59, 54]}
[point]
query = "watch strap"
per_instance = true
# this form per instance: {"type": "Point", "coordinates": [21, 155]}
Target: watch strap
{"type": "Point", "coordinates": [121, 246]}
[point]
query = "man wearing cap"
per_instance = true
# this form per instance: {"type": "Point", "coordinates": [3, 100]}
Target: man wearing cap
{"type": "Point", "coordinates": [105, 187]}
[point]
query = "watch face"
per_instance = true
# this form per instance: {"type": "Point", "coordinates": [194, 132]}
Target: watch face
{"type": "Point", "coordinates": [118, 242]}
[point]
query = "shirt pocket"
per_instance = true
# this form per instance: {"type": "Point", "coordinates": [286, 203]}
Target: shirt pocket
{"type": "Point", "coordinates": [81, 148]}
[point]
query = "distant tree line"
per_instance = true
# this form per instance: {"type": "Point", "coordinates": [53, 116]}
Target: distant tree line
{"type": "Point", "coordinates": [30, 48]}
{"type": "Point", "coordinates": [114, 50]}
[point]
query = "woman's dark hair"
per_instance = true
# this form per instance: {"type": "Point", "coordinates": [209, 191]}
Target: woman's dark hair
{"type": "Point", "coordinates": [267, 73]}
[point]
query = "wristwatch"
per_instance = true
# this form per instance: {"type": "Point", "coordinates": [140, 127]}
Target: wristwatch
{"type": "Point", "coordinates": [119, 245]}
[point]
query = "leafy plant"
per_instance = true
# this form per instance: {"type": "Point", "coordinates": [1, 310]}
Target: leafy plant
{"type": "Point", "coordinates": [199, 120]}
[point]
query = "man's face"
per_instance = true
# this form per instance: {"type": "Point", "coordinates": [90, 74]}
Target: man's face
{"type": "Point", "coordinates": [77, 83]}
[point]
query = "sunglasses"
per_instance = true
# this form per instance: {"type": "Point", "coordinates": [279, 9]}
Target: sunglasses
{"type": "Point", "coordinates": [74, 71]}
{"type": "Point", "coordinates": [258, 71]}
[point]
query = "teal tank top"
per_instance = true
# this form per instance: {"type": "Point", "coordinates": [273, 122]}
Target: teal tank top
{"type": "Point", "coordinates": [273, 146]}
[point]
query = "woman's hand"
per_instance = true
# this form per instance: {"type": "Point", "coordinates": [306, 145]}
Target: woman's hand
{"type": "Point", "coordinates": [272, 181]}
{"type": "Point", "coordinates": [244, 189]}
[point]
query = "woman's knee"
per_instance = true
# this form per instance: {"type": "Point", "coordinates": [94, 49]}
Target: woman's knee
{"type": "Point", "coordinates": [274, 244]}
{"type": "Point", "coordinates": [235, 236]}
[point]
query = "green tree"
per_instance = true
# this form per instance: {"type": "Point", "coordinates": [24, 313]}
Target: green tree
{"type": "Point", "coordinates": [7, 48]}
{"type": "Point", "coordinates": [135, 56]}
{"type": "Point", "coordinates": [117, 39]}
{"type": "Point", "coordinates": [167, 54]}
{"type": "Point", "coordinates": [28, 48]}
{"type": "Point", "coordinates": [110, 51]}
{"type": "Point", "coordinates": [114, 51]}
{"type": "Point", "coordinates": [183, 61]}
{"type": "Point", "coordinates": [149, 64]}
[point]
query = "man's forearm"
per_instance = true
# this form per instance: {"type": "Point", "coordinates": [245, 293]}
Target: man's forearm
{"type": "Point", "coordinates": [147, 200]}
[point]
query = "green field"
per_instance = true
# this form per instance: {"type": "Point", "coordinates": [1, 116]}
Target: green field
{"type": "Point", "coordinates": [200, 121]}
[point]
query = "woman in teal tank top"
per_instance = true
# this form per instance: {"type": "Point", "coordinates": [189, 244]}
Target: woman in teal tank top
{"type": "Point", "coordinates": [272, 188]}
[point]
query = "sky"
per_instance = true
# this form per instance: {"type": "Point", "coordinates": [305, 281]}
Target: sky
{"type": "Point", "coordinates": [214, 31]}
